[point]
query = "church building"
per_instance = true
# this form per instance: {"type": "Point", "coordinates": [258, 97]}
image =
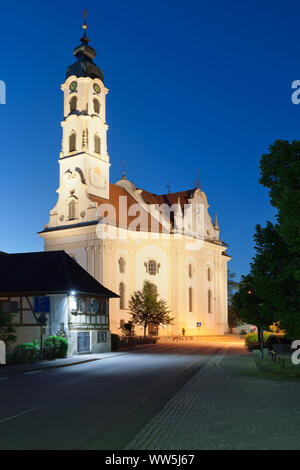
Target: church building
{"type": "Point", "coordinates": [122, 234]}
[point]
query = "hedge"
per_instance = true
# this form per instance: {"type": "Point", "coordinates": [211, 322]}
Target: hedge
{"type": "Point", "coordinates": [251, 340]}
{"type": "Point", "coordinates": [55, 346]}
{"type": "Point", "coordinates": [23, 353]}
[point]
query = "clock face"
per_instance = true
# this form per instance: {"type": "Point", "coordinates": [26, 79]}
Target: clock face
{"type": "Point", "coordinates": [97, 88]}
{"type": "Point", "coordinates": [73, 86]}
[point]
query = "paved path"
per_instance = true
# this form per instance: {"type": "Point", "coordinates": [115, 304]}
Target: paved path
{"type": "Point", "coordinates": [100, 403]}
{"type": "Point", "coordinates": [217, 409]}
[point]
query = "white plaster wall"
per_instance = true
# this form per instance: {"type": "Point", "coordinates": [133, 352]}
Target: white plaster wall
{"type": "Point", "coordinates": [172, 281]}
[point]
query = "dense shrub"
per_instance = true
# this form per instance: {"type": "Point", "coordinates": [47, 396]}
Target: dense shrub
{"type": "Point", "coordinates": [23, 353]}
{"type": "Point", "coordinates": [115, 342]}
{"type": "Point", "coordinates": [251, 340]}
{"type": "Point", "coordinates": [277, 339]}
{"type": "Point", "coordinates": [55, 346]}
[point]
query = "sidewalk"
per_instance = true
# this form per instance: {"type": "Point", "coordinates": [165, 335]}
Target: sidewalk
{"type": "Point", "coordinates": [55, 363]}
{"type": "Point", "coordinates": [218, 409]}
{"type": "Point", "coordinates": [65, 362]}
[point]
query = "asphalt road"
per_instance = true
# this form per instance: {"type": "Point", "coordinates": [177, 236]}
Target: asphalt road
{"type": "Point", "coordinates": [100, 404]}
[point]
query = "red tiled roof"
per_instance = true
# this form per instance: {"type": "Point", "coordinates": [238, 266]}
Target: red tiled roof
{"type": "Point", "coordinates": [170, 198]}
{"type": "Point", "coordinates": [115, 192]}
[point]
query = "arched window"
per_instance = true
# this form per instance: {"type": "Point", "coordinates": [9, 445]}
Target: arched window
{"type": "Point", "coordinates": [96, 106]}
{"type": "Point", "coordinates": [190, 271]}
{"type": "Point", "coordinates": [72, 142]}
{"type": "Point", "coordinates": [122, 295]}
{"type": "Point", "coordinates": [73, 104]}
{"type": "Point", "coordinates": [209, 274]}
{"type": "Point", "coordinates": [122, 264]}
{"type": "Point", "coordinates": [97, 144]}
{"type": "Point", "coordinates": [209, 299]}
{"type": "Point", "coordinates": [72, 210]}
{"type": "Point", "coordinates": [190, 299]}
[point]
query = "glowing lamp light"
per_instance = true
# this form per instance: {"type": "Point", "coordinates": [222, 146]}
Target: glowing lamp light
{"type": "Point", "coordinates": [73, 302]}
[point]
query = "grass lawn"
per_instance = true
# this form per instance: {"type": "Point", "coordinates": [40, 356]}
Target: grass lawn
{"type": "Point", "coordinates": [267, 365]}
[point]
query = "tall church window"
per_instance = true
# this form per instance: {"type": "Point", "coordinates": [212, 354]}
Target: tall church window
{"type": "Point", "coordinates": [73, 104]}
{"type": "Point", "coordinates": [122, 295]}
{"type": "Point", "coordinates": [122, 264]}
{"type": "Point", "coordinates": [97, 144]}
{"type": "Point", "coordinates": [96, 106]}
{"type": "Point", "coordinates": [72, 142]}
{"type": "Point", "coordinates": [209, 295]}
{"type": "Point", "coordinates": [72, 210]}
{"type": "Point", "coordinates": [209, 274]}
{"type": "Point", "coordinates": [190, 271]}
{"type": "Point", "coordinates": [190, 299]}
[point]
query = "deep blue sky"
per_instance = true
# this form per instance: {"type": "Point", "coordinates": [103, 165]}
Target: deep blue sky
{"type": "Point", "coordinates": [193, 85]}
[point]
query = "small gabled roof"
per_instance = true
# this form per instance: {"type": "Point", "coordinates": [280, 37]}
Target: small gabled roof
{"type": "Point", "coordinates": [47, 272]}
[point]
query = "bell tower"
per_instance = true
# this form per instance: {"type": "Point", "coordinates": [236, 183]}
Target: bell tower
{"type": "Point", "coordinates": [84, 141]}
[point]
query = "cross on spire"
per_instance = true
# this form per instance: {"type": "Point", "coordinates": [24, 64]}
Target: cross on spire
{"type": "Point", "coordinates": [84, 15]}
{"type": "Point", "coordinates": [84, 26]}
{"type": "Point", "coordinates": [84, 39]}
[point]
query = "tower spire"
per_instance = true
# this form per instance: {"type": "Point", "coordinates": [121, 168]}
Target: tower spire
{"type": "Point", "coordinates": [84, 39]}
{"type": "Point", "coordinates": [85, 54]}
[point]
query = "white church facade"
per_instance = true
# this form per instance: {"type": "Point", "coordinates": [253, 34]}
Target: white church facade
{"type": "Point", "coordinates": [122, 234]}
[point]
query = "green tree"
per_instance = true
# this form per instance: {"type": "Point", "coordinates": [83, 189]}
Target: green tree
{"type": "Point", "coordinates": [274, 280]}
{"type": "Point", "coordinates": [275, 274]}
{"type": "Point", "coordinates": [233, 316]}
{"type": "Point", "coordinates": [7, 329]}
{"type": "Point", "coordinates": [280, 173]}
{"type": "Point", "coordinates": [127, 328]}
{"type": "Point", "coordinates": [250, 307]}
{"type": "Point", "coordinates": [145, 307]}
